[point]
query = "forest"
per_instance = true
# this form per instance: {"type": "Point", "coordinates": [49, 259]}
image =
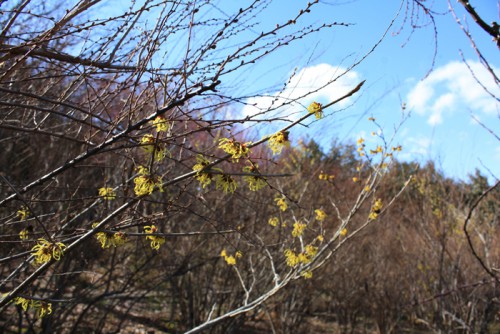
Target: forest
{"type": "Point", "coordinates": [135, 199]}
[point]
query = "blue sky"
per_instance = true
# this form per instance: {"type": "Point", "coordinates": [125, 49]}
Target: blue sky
{"type": "Point", "coordinates": [444, 104]}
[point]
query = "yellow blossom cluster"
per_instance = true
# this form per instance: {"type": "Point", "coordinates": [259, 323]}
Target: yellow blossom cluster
{"type": "Point", "coordinates": [281, 203]}
{"type": "Point", "coordinates": [156, 241]}
{"type": "Point", "coordinates": [307, 274]}
{"type": "Point", "coordinates": [107, 193]}
{"type": "Point", "coordinates": [151, 146]}
{"type": "Point", "coordinates": [278, 141]}
{"type": "Point", "coordinates": [162, 125]}
{"type": "Point", "coordinates": [316, 109]}
{"type": "Point", "coordinates": [379, 149]}
{"type": "Point", "coordinates": [375, 210]}
{"type": "Point", "coordinates": [255, 182]}
{"type": "Point", "coordinates": [145, 183]}
{"type": "Point", "coordinates": [320, 215]}
{"type": "Point", "coordinates": [294, 259]}
{"type": "Point", "coordinates": [23, 213]}
{"type": "Point", "coordinates": [24, 234]}
{"type": "Point", "coordinates": [274, 221]}
{"type": "Point", "coordinates": [298, 229]}
{"type": "Point", "coordinates": [203, 177]}
{"type": "Point", "coordinates": [397, 148]}
{"type": "Point", "coordinates": [236, 149]}
{"type": "Point", "coordinates": [231, 259]}
{"type": "Point", "coordinates": [44, 251]}
{"type": "Point", "coordinates": [42, 308]}
{"type": "Point", "coordinates": [111, 239]}
{"type": "Point", "coordinates": [361, 146]}
{"type": "Point", "coordinates": [324, 176]}
{"type": "Point", "coordinates": [226, 182]}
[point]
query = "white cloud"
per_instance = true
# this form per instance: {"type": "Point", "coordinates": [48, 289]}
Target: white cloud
{"type": "Point", "coordinates": [302, 90]}
{"type": "Point", "coordinates": [452, 88]}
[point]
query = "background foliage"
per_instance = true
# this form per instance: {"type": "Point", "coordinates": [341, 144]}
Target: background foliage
{"type": "Point", "coordinates": [132, 198]}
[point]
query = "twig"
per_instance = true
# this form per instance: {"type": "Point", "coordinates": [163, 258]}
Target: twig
{"type": "Point", "coordinates": [469, 240]}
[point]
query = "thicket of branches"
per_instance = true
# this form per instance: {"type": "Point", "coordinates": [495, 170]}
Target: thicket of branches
{"type": "Point", "coordinates": [132, 200]}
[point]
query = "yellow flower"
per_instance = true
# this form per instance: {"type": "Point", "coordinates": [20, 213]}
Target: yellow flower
{"type": "Point", "coordinates": [305, 258]}
{"type": "Point", "coordinates": [343, 233]}
{"type": "Point", "coordinates": [320, 238]}
{"type": "Point", "coordinates": [111, 239]}
{"type": "Point", "coordinates": [44, 251]}
{"type": "Point", "coordinates": [145, 183]}
{"type": "Point", "coordinates": [307, 274]}
{"type": "Point", "coordinates": [119, 238]}
{"type": "Point", "coordinates": [298, 229]}
{"type": "Point", "coordinates": [150, 145]}
{"type": "Point", "coordinates": [203, 177]}
{"type": "Point", "coordinates": [281, 203]}
{"type": "Point", "coordinates": [325, 176]}
{"type": "Point", "coordinates": [316, 109]}
{"type": "Point", "coordinates": [397, 148]}
{"type": "Point", "coordinates": [23, 235]}
{"type": "Point", "coordinates": [355, 179]}
{"type": "Point", "coordinates": [230, 259]}
{"type": "Point", "coordinates": [42, 308]}
{"type": "Point", "coordinates": [273, 221]}
{"type": "Point", "coordinates": [360, 141]}
{"type": "Point", "coordinates": [320, 215]}
{"type": "Point", "coordinates": [292, 259]}
{"type": "Point", "coordinates": [156, 241]}
{"type": "Point", "coordinates": [103, 238]}
{"type": "Point", "coordinates": [226, 183]}
{"type": "Point", "coordinates": [107, 193]}
{"type": "Point", "coordinates": [255, 182]}
{"type": "Point", "coordinates": [236, 149]}
{"type": "Point", "coordinates": [161, 124]}
{"type": "Point", "coordinates": [23, 213]}
{"type": "Point", "coordinates": [375, 210]}
{"type": "Point", "coordinates": [377, 150]}
{"type": "Point", "coordinates": [25, 303]}
{"type": "Point", "coordinates": [147, 143]}
{"type": "Point", "coordinates": [278, 141]}
{"type": "Point", "coordinates": [311, 251]}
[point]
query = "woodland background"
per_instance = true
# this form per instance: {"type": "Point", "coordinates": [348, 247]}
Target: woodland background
{"type": "Point", "coordinates": [386, 246]}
